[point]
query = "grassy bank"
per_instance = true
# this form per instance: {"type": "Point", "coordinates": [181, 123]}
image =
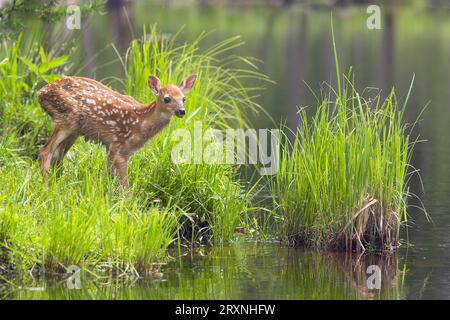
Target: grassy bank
{"type": "Point", "coordinates": [81, 217]}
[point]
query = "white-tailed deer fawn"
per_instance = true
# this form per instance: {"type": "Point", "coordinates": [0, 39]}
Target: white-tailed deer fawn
{"type": "Point", "coordinates": [82, 106]}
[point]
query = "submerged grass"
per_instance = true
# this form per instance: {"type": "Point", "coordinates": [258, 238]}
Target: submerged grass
{"type": "Point", "coordinates": [81, 217]}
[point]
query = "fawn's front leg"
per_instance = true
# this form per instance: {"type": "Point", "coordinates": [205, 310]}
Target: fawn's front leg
{"type": "Point", "coordinates": [47, 152]}
{"type": "Point", "coordinates": [118, 165]}
{"type": "Point", "coordinates": [63, 148]}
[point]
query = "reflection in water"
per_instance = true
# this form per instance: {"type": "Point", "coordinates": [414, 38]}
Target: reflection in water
{"type": "Point", "coordinates": [242, 271]}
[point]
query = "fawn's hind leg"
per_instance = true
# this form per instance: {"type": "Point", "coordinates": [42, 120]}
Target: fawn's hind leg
{"type": "Point", "coordinates": [59, 134]}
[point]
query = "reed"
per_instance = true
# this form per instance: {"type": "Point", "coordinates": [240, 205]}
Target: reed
{"type": "Point", "coordinates": [342, 182]}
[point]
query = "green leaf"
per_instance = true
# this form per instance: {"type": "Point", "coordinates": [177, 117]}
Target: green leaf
{"type": "Point", "coordinates": [43, 56]}
{"type": "Point", "coordinates": [30, 65]}
{"type": "Point", "coordinates": [4, 61]}
{"type": "Point", "coordinates": [25, 87]}
{"type": "Point", "coordinates": [52, 64]}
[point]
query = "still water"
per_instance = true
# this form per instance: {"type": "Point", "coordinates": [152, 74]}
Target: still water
{"type": "Point", "coordinates": [243, 271]}
{"type": "Point", "coordinates": [295, 47]}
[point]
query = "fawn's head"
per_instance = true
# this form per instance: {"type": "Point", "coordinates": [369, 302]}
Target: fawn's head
{"type": "Point", "coordinates": [170, 98]}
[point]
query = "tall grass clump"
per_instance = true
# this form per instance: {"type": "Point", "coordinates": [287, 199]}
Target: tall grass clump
{"type": "Point", "coordinates": [342, 182]}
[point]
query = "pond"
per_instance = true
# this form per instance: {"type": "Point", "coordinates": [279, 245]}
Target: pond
{"type": "Point", "coordinates": [241, 271]}
{"type": "Point", "coordinates": [295, 46]}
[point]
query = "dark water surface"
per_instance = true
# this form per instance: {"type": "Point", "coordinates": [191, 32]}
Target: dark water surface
{"type": "Point", "coordinates": [295, 45]}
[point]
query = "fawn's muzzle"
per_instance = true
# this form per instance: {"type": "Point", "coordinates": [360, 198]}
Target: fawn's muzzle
{"type": "Point", "coordinates": [180, 113]}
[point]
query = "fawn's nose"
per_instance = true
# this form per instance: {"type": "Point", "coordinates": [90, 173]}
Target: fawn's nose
{"type": "Point", "coordinates": [180, 112]}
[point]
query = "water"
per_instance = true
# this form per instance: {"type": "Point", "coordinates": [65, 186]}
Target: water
{"type": "Point", "coordinates": [295, 46]}
{"type": "Point", "coordinates": [242, 271]}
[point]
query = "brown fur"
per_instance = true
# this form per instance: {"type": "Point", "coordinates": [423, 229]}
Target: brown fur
{"type": "Point", "coordinates": [82, 106]}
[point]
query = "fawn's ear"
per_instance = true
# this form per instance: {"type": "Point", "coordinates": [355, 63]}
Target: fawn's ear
{"type": "Point", "coordinates": [154, 84]}
{"type": "Point", "coordinates": [188, 83]}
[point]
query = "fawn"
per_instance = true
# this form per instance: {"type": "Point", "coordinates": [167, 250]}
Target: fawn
{"type": "Point", "coordinates": [82, 106]}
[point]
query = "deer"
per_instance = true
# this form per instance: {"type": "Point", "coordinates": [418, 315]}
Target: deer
{"type": "Point", "coordinates": [84, 107]}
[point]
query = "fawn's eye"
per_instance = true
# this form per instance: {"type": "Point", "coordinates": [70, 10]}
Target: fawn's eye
{"type": "Point", "coordinates": [184, 99]}
{"type": "Point", "coordinates": [167, 100]}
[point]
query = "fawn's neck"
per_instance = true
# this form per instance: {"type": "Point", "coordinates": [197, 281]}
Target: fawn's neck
{"type": "Point", "coordinates": [153, 120]}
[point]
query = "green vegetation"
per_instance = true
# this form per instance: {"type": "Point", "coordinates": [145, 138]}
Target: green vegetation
{"type": "Point", "coordinates": [14, 13]}
{"type": "Point", "coordinates": [218, 100]}
{"type": "Point", "coordinates": [81, 217]}
{"type": "Point", "coordinates": [342, 182]}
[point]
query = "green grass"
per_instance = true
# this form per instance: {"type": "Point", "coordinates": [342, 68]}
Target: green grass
{"type": "Point", "coordinates": [23, 68]}
{"type": "Point", "coordinates": [342, 182]}
{"type": "Point", "coordinates": [218, 100]}
{"type": "Point", "coordinates": [81, 217]}
{"type": "Point", "coordinates": [79, 220]}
